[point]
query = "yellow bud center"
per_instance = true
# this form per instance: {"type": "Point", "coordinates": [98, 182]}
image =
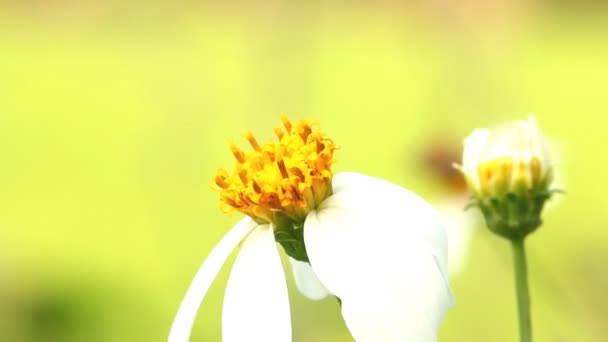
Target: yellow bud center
{"type": "Point", "coordinates": [495, 175]}
{"type": "Point", "coordinates": [502, 174]}
{"type": "Point", "coordinates": [291, 176]}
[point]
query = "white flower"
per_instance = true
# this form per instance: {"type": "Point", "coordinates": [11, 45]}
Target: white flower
{"type": "Point", "coordinates": [509, 159]}
{"type": "Point", "coordinates": [377, 247]}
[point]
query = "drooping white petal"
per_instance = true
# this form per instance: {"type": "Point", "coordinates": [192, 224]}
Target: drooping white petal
{"type": "Point", "coordinates": [392, 311]}
{"type": "Point", "coordinates": [307, 281]}
{"type": "Point", "coordinates": [383, 251]}
{"type": "Point", "coordinates": [182, 325]}
{"type": "Point", "coordinates": [256, 303]}
{"type": "Point", "coordinates": [383, 201]}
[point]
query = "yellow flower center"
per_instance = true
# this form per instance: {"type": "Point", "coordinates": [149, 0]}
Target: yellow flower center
{"type": "Point", "coordinates": [291, 176]}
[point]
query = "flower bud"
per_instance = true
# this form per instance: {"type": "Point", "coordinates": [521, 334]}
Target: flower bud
{"type": "Point", "coordinates": [509, 173]}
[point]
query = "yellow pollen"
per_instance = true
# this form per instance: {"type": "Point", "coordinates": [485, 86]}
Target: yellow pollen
{"type": "Point", "coordinates": [291, 176]}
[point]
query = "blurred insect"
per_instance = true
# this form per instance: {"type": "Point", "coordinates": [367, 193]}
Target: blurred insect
{"type": "Point", "coordinates": [438, 159]}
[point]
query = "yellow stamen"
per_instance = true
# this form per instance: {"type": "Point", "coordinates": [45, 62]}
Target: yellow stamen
{"type": "Point", "coordinates": [291, 176]}
{"type": "Point", "coordinates": [286, 122]}
{"type": "Point", "coordinates": [243, 176]}
{"type": "Point", "coordinates": [252, 141]}
{"type": "Point", "coordinates": [220, 179]}
{"type": "Point", "coordinates": [238, 154]}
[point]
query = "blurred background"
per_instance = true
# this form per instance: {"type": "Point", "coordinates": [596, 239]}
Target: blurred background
{"type": "Point", "coordinates": [115, 115]}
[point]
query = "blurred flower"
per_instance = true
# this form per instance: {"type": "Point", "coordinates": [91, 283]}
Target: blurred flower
{"type": "Point", "coordinates": [380, 249]}
{"type": "Point", "coordinates": [509, 171]}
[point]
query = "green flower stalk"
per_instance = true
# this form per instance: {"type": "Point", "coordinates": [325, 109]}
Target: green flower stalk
{"type": "Point", "coordinates": [509, 172]}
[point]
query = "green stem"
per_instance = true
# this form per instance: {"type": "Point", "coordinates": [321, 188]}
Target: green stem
{"type": "Point", "coordinates": [521, 286]}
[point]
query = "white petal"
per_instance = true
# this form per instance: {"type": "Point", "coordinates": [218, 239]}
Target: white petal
{"type": "Point", "coordinates": [307, 281]}
{"type": "Point", "coordinates": [382, 250]}
{"type": "Point", "coordinates": [182, 325]}
{"type": "Point", "coordinates": [256, 303]}
{"type": "Point", "coordinates": [408, 307]}
{"type": "Point", "coordinates": [474, 145]}
{"type": "Point", "coordinates": [521, 141]}
{"type": "Point", "coordinates": [384, 202]}
{"type": "Point", "coordinates": [500, 144]}
{"type": "Point", "coordinates": [540, 144]}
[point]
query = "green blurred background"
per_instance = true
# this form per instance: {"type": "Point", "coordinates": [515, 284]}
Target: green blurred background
{"type": "Point", "coordinates": [115, 115]}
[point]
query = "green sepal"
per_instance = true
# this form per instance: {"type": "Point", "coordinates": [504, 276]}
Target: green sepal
{"type": "Point", "coordinates": [290, 235]}
{"type": "Point", "coordinates": [473, 202]}
{"type": "Point", "coordinates": [513, 215]}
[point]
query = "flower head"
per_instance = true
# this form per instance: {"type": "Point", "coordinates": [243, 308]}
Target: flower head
{"type": "Point", "coordinates": [379, 248]}
{"type": "Point", "coordinates": [510, 159]}
{"type": "Point", "coordinates": [509, 172]}
{"type": "Point", "coordinates": [290, 177]}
